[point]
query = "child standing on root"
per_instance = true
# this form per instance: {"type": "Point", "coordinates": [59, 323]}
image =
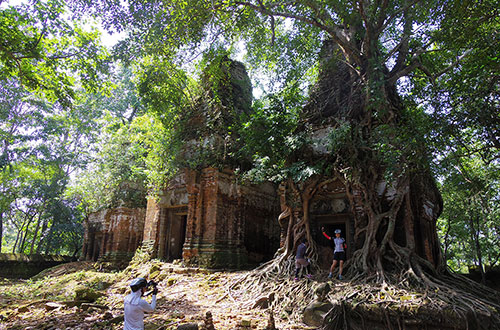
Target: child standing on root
{"type": "Point", "coordinates": [301, 261]}
{"type": "Point", "coordinates": [338, 252]}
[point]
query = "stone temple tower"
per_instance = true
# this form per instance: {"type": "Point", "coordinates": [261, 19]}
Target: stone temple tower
{"type": "Point", "coordinates": [204, 216]}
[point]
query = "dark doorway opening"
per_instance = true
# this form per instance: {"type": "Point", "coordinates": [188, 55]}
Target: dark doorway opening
{"type": "Point", "coordinates": [326, 246]}
{"type": "Point", "coordinates": [178, 236]}
{"type": "Point", "coordinates": [97, 248]}
{"type": "Point", "coordinates": [172, 233]}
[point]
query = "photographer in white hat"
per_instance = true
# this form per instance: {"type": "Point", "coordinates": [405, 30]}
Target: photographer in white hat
{"type": "Point", "coordinates": [135, 306]}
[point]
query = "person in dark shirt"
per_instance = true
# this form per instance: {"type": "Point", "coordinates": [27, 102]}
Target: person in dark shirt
{"type": "Point", "coordinates": [301, 260]}
{"type": "Point", "coordinates": [338, 252]}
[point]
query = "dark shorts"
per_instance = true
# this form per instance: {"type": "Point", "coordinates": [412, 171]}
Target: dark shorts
{"type": "Point", "coordinates": [339, 256]}
{"type": "Point", "coordinates": [301, 263]}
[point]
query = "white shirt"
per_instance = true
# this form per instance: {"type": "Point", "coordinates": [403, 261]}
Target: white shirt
{"type": "Point", "coordinates": [135, 307]}
{"type": "Point", "coordinates": [339, 244]}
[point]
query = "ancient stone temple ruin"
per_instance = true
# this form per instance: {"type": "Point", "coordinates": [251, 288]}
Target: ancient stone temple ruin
{"type": "Point", "coordinates": [113, 234]}
{"type": "Point", "coordinates": [204, 217]}
{"type": "Point", "coordinates": [207, 217]}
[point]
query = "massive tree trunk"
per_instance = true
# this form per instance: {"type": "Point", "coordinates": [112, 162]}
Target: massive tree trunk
{"type": "Point", "coordinates": [394, 224]}
{"type": "Point", "coordinates": [395, 228]}
{"type": "Point", "coordinates": [393, 199]}
{"type": "Point", "coordinates": [1, 230]}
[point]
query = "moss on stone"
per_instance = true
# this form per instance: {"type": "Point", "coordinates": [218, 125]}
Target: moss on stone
{"type": "Point", "coordinates": [83, 293]}
{"type": "Point", "coordinates": [154, 275]}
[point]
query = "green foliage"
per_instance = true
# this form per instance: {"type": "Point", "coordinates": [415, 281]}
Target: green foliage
{"type": "Point", "coordinates": [134, 150]}
{"type": "Point", "coordinates": [470, 224]}
{"type": "Point", "coordinates": [165, 89]}
{"type": "Point", "coordinates": [339, 137]}
{"type": "Point", "coordinates": [269, 135]}
{"type": "Point", "coordinates": [463, 101]}
{"type": "Point", "coordinates": [462, 105]}
{"type": "Point", "coordinates": [43, 143]}
{"type": "Point", "coordinates": [180, 30]}
{"type": "Point", "coordinates": [202, 119]}
{"type": "Point", "coordinates": [228, 92]}
{"type": "Point", "coordinates": [168, 94]}
{"type": "Point", "coordinates": [119, 171]}
{"type": "Point", "coordinates": [46, 53]}
{"type": "Point", "coordinates": [45, 60]}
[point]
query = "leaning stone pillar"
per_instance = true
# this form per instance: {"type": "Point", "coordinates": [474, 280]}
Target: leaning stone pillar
{"type": "Point", "coordinates": [151, 224]}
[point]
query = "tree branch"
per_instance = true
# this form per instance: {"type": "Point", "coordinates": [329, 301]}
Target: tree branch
{"type": "Point", "coordinates": [273, 37]}
{"type": "Point", "coordinates": [366, 48]}
{"type": "Point", "coordinates": [403, 46]}
{"type": "Point", "coordinates": [382, 15]}
{"type": "Point", "coordinates": [41, 35]}
{"type": "Point", "coordinates": [397, 12]}
{"type": "Point", "coordinates": [452, 65]}
{"type": "Point", "coordinates": [337, 33]}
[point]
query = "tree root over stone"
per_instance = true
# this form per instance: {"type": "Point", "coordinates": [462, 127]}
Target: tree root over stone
{"type": "Point", "coordinates": [447, 301]}
{"type": "Point", "coordinates": [286, 297]}
{"type": "Point", "coordinates": [371, 306]}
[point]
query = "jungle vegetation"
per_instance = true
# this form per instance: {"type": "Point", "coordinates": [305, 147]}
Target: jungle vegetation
{"type": "Point", "coordinates": [409, 88]}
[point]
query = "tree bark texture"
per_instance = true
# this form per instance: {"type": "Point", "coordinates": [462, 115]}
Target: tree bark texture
{"type": "Point", "coordinates": [394, 218]}
{"type": "Point", "coordinates": [1, 230]}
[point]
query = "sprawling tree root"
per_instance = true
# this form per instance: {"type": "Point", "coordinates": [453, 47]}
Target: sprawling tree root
{"type": "Point", "coordinates": [411, 300]}
{"type": "Point", "coordinates": [449, 303]}
{"type": "Point", "coordinates": [275, 280]}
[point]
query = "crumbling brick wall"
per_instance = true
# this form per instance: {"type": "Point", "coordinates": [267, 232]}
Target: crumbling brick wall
{"type": "Point", "coordinates": [113, 234]}
{"type": "Point", "coordinates": [222, 224]}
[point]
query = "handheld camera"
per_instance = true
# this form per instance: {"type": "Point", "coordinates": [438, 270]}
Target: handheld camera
{"type": "Point", "coordinates": [152, 284]}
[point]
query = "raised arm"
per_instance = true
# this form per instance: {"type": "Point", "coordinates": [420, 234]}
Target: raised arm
{"type": "Point", "coordinates": [148, 308]}
{"type": "Point", "coordinates": [324, 234]}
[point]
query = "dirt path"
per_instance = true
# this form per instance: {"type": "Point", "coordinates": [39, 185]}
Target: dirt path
{"type": "Point", "coordinates": [185, 295]}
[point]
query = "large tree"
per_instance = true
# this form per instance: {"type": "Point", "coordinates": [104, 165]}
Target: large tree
{"type": "Point", "coordinates": [470, 223]}
{"type": "Point", "coordinates": [46, 52]}
{"type": "Point", "coordinates": [43, 143]}
{"type": "Point", "coordinates": [367, 53]}
{"type": "Point", "coordinates": [375, 44]}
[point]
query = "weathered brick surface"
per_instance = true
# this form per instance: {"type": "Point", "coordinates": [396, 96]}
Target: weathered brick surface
{"type": "Point", "coordinates": [113, 234]}
{"type": "Point", "coordinates": [203, 217]}
{"type": "Point", "coordinates": [229, 225]}
{"type": "Point", "coordinates": [209, 220]}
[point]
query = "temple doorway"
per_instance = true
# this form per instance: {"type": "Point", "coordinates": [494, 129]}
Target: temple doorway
{"type": "Point", "coordinates": [325, 246]}
{"type": "Point", "coordinates": [172, 233]}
